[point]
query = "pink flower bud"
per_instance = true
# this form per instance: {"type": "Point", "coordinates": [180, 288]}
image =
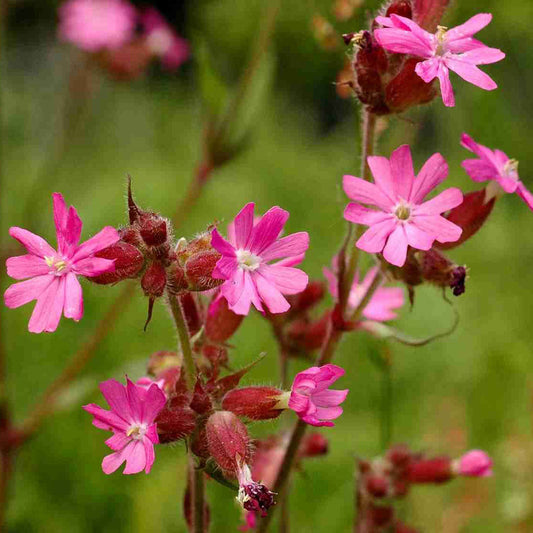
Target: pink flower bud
{"type": "Point", "coordinates": [437, 470]}
{"type": "Point", "coordinates": [228, 440]}
{"type": "Point", "coordinates": [475, 463]}
{"type": "Point", "coordinates": [128, 263]}
{"type": "Point", "coordinates": [221, 322]}
{"type": "Point", "coordinates": [255, 403]}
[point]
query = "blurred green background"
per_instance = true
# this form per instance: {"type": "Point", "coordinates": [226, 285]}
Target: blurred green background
{"type": "Point", "coordinates": [471, 390]}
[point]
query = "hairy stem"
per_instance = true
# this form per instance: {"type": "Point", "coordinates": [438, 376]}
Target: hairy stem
{"type": "Point", "coordinates": [198, 497]}
{"type": "Point", "coordinates": [178, 316]}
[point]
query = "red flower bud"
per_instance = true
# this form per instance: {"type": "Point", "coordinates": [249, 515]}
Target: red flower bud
{"type": "Point", "coordinates": [400, 7]}
{"type": "Point", "coordinates": [199, 269]}
{"type": "Point", "coordinates": [308, 298]}
{"type": "Point", "coordinates": [228, 440]}
{"type": "Point", "coordinates": [255, 403]}
{"type": "Point", "coordinates": [176, 282]}
{"type": "Point", "coordinates": [154, 280]}
{"type": "Point", "coordinates": [221, 322]}
{"type": "Point", "coordinates": [153, 229]}
{"type": "Point", "coordinates": [439, 270]}
{"type": "Point", "coordinates": [470, 216]}
{"type": "Point", "coordinates": [174, 424]}
{"type": "Point", "coordinates": [428, 13]}
{"type": "Point", "coordinates": [128, 263]}
{"type": "Point", "coordinates": [201, 403]}
{"type": "Point", "coordinates": [190, 310]}
{"type": "Point", "coordinates": [436, 470]}
{"type": "Point", "coordinates": [313, 444]}
{"type": "Point", "coordinates": [377, 486]}
{"type": "Point", "coordinates": [399, 455]}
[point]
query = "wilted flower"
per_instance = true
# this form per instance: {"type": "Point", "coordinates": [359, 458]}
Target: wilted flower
{"type": "Point", "coordinates": [244, 263]}
{"type": "Point", "coordinates": [403, 218]}
{"type": "Point", "coordinates": [53, 273]}
{"type": "Point", "coordinates": [445, 50]}
{"type": "Point", "coordinates": [93, 25]}
{"type": "Point", "coordinates": [311, 399]}
{"type": "Point", "coordinates": [131, 419]}
{"type": "Point", "coordinates": [496, 166]}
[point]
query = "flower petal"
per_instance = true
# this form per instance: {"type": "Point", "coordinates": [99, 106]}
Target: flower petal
{"type": "Point", "coordinates": [480, 169]}
{"type": "Point", "coordinates": [359, 214]}
{"type": "Point", "coordinates": [93, 266]}
{"type": "Point", "coordinates": [402, 42]}
{"type": "Point", "coordinates": [417, 238]}
{"type": "Point", "coordinates": [267, 230]}
{"type": "Point", "coordinates": [221, 245]}
{"type": "Point", "coordinates": [472, 74]}
{"type": "Point", "coordinates": [116, 396]}
{"type": "Point", "coordinates": [395, 251]}
{"type": "Point", "coordinates": [270, 294]}
{"type": "Point", "coordinates": [442, 229]}
{"type": "Point", "coordinates": [21, 293]}
{"type": "Point", "coordinates": [523, 192]}
{"type": "Point", "coordinates": [367, 193]}
{"type": "Point", "coordinates": [104, 419]}
{"type": "Point", "coordinates": [154, 401]}
{"type": "Point", "coordinates": [47, 311]}
{"type": "Point", "coordinates": [118, 441]}
{"type": "Point", "coordinates": [428, 70]}
{"type": "Point", "coordinates": [445, 86]}
{"type": "Point", "coordinates": [447, 199]}
{"type": "Point", "coordinates": [26, 266]}
{"type": "Point", "coordinates": [470, 27]}
{"type": "Point", "coordinates": [329, 398]}
{"type": "Point", "coordinates": [33, 243]}
{"type": "Point", "coordinates": [402, 171]}
{"type": "Point", "coordinates": [482, 55]}
{"type": "Point", "coordinates": [73, 298]}
{"type": "Point", "coordinates": [287, 280]}
{"type": "Point", "coordinates": [291, 245]}
{"type": "Point", "coordinates": [149, 454]}
{"type": "Point", "coordinates": [374, 238]}
{"type": "Point", "coordinates": [225, 268]}
{"type": "Point", "coordinates": [104, 238]}
{"type": "Point", "coordinates": [433, 173]}
{"type": "Point", "coordinates": [381, 170]}
{"type": "Point", "coordinates": [243, 225]}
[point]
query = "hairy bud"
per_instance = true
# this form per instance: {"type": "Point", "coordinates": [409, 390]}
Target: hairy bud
{"type": "Point", "coordinates": [439, 270]}
{"type": "Point", "coordinates": [154, 280]}
{"type": "Point", "coordinates": [128, 263]}
{"type": "Point", "coordinates": [175, 423]}
{"type": "Point", "coordinates": [228, 440]}
{"type": "Point", "coordinates": [402, 8]}
{"type": "Point", "coordinates": [437, 470]}
{"type": "Point", "coordinates": [255, 403]}
{"type": "Point", "coordinates": [221, 322]}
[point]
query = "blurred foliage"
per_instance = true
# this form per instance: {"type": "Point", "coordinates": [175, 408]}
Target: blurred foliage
{"type": "Point", "coordinates": [470, 390]}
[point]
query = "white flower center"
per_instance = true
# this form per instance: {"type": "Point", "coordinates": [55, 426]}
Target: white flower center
{"type": "Point", "coordinates": [247, 260]}
{"type": "Point", "coordinates": [402, 211]}
{"type": "Point", "coordinates": [136, 431]}
{"type": "Point", "coordinates": [511, 169]}
{"type": "Point", "coordinates": [440, 37]}
{"type": "Point", "coordinates": [160, 41]}
{"type": "Point", "coordinates": [57, 265]}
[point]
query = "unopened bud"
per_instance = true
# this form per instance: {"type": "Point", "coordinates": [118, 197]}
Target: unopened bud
{"type": "Point", "coordinates": [221, 322]}
{"type": "Point", "coordinates": [154, 280]}
{"type": "Point", "coordinates": [255, 403]}
{"type": "Point", "coordinates": [313, 445]}
{"type": "Point", "coordinates": [228, 440]}
{"type": "Point", "coordinates": [174, 424]}
{"type": "Point", "coordinates": [161, 361]}
{"type": "Point", "coordinates": [199, 269]}
{"type": "Point", "coordinates": [438, 470]}
{"type": "Point", "coordinates": [153, 229]}
{"type": "Point", "coordinates": [308, 298]}
{"type": "Point", "coordinates": [439, 270]}
{"type": "Point", "coordinates": [176, 282]}
{"type": "Point", "coordinates": [191, 312]}
{"type": "Point", "coordinates": [128, 263]}
{"type": "Point", "coordinates": [201, 402]}
{"type": "Point", "coordinates": [400, 7]}
{"type": "Point", "coordinates": [377, 486]}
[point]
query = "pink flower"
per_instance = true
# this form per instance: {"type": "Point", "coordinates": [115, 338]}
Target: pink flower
{"type": "Point", "coordinates": [163, 41]}
{"type": "Point", "coordinates": [475, 463]}
{"type": "Point", "coordinates": [250, 279]}
{"type": "Point", "coordinates": [96, 24]}
{"type": "Point", "coordinates": [443, 51]}
{"type": "Point", "coordinates": [311, 399]}
{"type": "Point", "coordinates": [383, 302]}
{"type": "Point", "coordinates": [146, 382]}
{"type": "Point", "coordinates": [131, 419]}
{"type": "Point", "coordinates": [53, 274]}
{"type": "Point", "coordinates": [250, 521]}
{"type": "Point", "coordinates": [403, 219]}
{"type": "Point", "coordinates": [494, 165]}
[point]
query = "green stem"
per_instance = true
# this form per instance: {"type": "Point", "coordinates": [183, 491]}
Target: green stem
{"type": "Point", "coordinates": [198, 496]}
{"type": "Point", "coordinates": [189, 366]}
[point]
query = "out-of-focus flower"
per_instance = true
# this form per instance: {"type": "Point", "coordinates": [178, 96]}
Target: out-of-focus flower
{"type": "Point", "coordinates": [131, 419]}
{"type": "Point", "coordinates": [311, 399]}
{"type": "Point", "coordinates": [163, 41]}
{"type": "Point", "coordinates": [496, 166]}
{"type": "Point", "coordinates": [345, 9]}
{"type": "Point", "coordinates": [403, 219]}
{"type": "Point", "coordinates": [383, 302]}
{"type": "Point", "coordinates": [475, 463]}
{"type": "Point", "coordinates": [453, 49]}
{"type": "Point", "coordinates": [244, 263]}
{"type": "Point", "coordinates": [53, 273]}
{"type": "Point", "coordinates": [93, 25]}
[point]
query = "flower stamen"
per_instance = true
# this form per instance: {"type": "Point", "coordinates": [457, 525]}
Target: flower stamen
{"type": "Point", "coordinates": [247, 260]}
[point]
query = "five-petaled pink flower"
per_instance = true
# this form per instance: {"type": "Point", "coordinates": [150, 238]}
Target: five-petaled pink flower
{"type": "Point", "coordinates": [53, 274]}
{"type": "Point", "coordinates": [250, 279]}
{"type": "Point", "coordinates": [403, 219]}
{"type": "Point", "coordinates": [475, 463]}
{"type": "Point", "coordinates": [163, 41]}
{"type": "Point", "coordinates": [131, 419]}
{"type": "Point", "coordinates": [495, 165]}
{"type": "Point", "coordinates": [382, 303]}
{"type": "Point", "coordinates": [443, 51]}
{"type": "Point", "coordinates": [93, 25]}
{"type": "Point", "coordinates": [311, 399]}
